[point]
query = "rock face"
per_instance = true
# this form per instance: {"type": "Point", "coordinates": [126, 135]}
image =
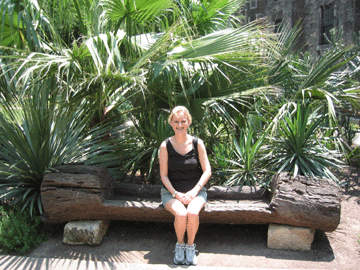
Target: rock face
{"type": "Point", "coordinates": [306, 202]}
{"type": "Point", "coordinates": [289, 237]}
{"type": "Point", "coordinates": [90, 232]}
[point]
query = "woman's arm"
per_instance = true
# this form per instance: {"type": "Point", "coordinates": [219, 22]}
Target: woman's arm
{"type": "Point", "coordinates": [205, 164]}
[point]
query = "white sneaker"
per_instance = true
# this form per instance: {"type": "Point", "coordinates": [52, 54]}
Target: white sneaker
{"type": "Point", "coordinates": [191, 255]}
{"type": "Point", "coordinates": [179, 257]}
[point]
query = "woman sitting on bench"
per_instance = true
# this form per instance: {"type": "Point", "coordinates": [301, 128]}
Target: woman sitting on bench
{"type": "Point", "coordinates": [184, 170]}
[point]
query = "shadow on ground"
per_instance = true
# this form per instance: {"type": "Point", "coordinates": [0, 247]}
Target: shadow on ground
{"type": "Point", "coordinates": [350, 183]}
{"type": "Point", "coordinates": [153, 243]}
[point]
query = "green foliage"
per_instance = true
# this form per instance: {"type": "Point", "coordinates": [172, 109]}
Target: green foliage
{"type": "Point", "coordinates": [19, 232]}
{"type": "Point", "coordinates": [322, 81]}
{"type": "Point", "coordinates": [353, 157]}
{"type": "Point", "coordinates": [295, 147]}
{"type": "Point", "coordinates": [348, 130]}
{"type": "Point", "coordinates": [209, 15]}
{"type": "Point", "coordinates": [36, 134]}
{"type": "Point", "coordinates": [111, 61]}
{"type": "Point", "coordinates": [14, 16]}
{"type": "Point", "coordinates": [354, 64]}
{"type": "Point", "coordinates": [220, 154]}
{"type": "Point", "coordinates": [242, 164]}
{"type": "Point", "coordinates": [134, 14]}
{"type": "Point", "coordinates": [139, 149]}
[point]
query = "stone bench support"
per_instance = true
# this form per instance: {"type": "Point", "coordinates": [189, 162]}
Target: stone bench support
{"type": "Point", "coordinates": [290, 237]}
{"type": "Point", "coordinates": [90, 232]}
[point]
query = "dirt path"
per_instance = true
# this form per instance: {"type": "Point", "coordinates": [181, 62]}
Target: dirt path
{"type": "Point", "coordinates": [224, 245]}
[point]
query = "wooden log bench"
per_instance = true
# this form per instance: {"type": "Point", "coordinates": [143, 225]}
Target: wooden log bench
{"type": "Point", "coordinates": [294, 208]}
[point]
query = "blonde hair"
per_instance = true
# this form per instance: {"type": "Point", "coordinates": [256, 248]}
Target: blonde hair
{"type": "Point", "coordinates": [182, 109]}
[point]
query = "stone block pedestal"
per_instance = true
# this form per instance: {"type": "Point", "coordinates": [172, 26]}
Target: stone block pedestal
{"type": "Point", "coordinates": [90, 232]}
{"type": "Point", "coordinates": [290, 237]}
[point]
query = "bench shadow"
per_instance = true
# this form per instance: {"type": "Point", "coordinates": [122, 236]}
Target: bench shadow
{"type": "Point", "coordinates": [251, 240]}
{"type": "Point", "coordinates": [153, 243]}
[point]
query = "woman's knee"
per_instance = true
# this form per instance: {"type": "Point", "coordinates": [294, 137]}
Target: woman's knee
{"type": "Point", "coordinates": [193, 213]}
{"type": "Point", "coordinates": [177, 209]}
{"type": "Point", "coordinates": [195, 207]}
{"type": "Point", "coordinates": [193, 210]}
{"type": "Point", "coordinates": [181, 213]}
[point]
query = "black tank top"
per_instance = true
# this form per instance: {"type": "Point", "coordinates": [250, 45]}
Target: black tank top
{"type": "Point", "coordinates": [184, 171]}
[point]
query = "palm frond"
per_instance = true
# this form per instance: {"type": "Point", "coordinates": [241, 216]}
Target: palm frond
{"type": "Point", "coordinates": [133, 13]}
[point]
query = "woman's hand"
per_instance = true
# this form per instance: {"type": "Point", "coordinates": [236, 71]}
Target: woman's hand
{"type": "Point", "coordinates": [180, 196]}
{"type": "Point", "coordinates": [187, 197]}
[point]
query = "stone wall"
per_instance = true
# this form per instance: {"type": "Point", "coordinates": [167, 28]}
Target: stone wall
{"type": "Point", "coordinates": [346, 18]}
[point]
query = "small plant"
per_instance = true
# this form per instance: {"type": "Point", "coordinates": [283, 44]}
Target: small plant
{"type": "Point", "coordinates": [240, 163]}
{"type": "Point", "coordinates": [246, 167]}
{"type": "Point", "coordinates": [19, 232]}
{"type": "Point", "coordinates": [295, 148]}
{"type": "Point", "coordinates": [221, 153]}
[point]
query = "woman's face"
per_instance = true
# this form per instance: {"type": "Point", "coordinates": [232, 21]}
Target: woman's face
{"type": "Point", "coordinates": [179, 123]}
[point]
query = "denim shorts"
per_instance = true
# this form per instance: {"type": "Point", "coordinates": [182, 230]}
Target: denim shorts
{"type": "Point", "coordinates": [166, 195]}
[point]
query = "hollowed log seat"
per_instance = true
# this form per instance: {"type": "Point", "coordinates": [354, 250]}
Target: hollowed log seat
{"type": "Point", "coordinates": [78, 192]}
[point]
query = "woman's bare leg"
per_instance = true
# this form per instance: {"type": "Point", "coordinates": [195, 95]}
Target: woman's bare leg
{"type": "Point", "coordinates": [180, 213]}
{"type": "Point", "coordinates": [193, 211]}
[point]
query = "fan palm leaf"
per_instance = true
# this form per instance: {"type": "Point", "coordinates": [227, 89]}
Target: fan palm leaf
{"type": "Point", "coordinates": [226, 66]}
{"type": "Point", "coordinates": [135, 14]}
{"type": "Point", "coordinates": [204, 17]}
